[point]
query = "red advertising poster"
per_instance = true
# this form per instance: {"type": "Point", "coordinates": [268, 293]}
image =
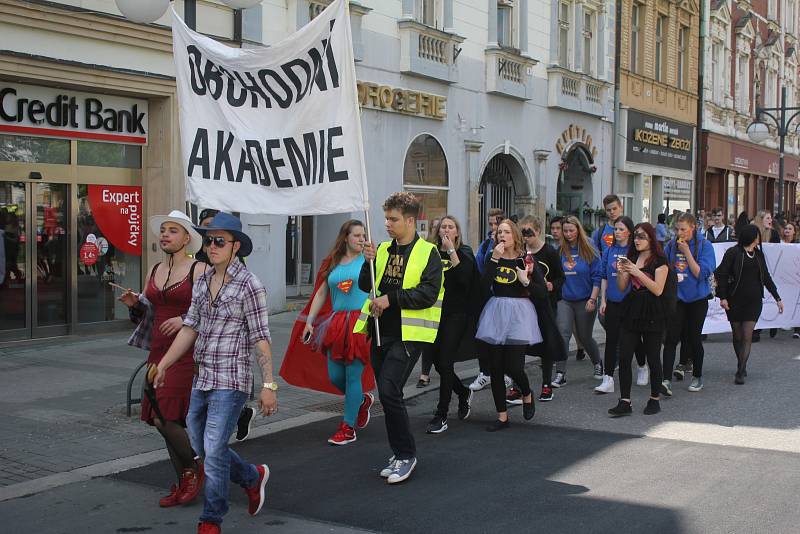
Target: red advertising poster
{"type": "Point", "coordinates": [117, 210]}
{"type": "Point", "coordinates": [89, 253]}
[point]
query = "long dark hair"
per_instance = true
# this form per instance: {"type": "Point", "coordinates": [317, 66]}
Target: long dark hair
{"type": "Point", "coordinates": [747, 234]}
{"type": "Point", "coordinates": [655, 247]}
{"type": "Point", "coordinates": [628, 222]}
{"type": "Point", "coordinates": [741, 221]}
{"type": "Point", "coordinates": [339, 248]}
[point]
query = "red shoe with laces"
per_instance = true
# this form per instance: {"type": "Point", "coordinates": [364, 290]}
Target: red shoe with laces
{"type": "Point", "coordinates": [191, 483]}
{"type": "Point", "coordinates": [363, 412]}
{"type": "Point", "coordinates": [205, 527]}
{"type": "Point", "coordinates": [344, 434]}
{"type": "Point", "coordinates": [255, 495]}
{"type": "Point", "coordinates": [172, 498]}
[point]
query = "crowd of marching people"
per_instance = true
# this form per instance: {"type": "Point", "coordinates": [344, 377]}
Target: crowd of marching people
{"type": "Point", "coordinates": [376, 310]}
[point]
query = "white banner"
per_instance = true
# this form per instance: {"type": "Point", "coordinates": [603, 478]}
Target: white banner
{"type": "Point", "coordinates": [783, 261]}
{"type": "Point", "coordinates": [272, 130]}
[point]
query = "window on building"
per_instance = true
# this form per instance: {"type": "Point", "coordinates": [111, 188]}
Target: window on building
{"type": "Point", "coordinates": [636, 10]}
{"type": "Point", "coordinates": [428, 12]}
{"type": "Point", "coordinates": [743, 78]}
{"type": "Point", "coordinates": [791, 15]}
{"type": "Point", "coordinates": [716, 73]}
{"type": "Point", "coordinates": [588, 42]}
{"type": "Point", "coordinates": [25, 149]}
{"type": "Point", "coordinates": [315, 8]}
{"type": "Point", "coordinates": [771, 94]}
{"type": "Point", "coordinates": [683, 57]}
{"type": "Point", "coordinates": [109, 155]}
{"type": "Point", "coordinates": [661, 23]}
{"type": "Point", "coordinates": [425, 174]}
{"type": "Point", "coordinates": [505, 19]}
{"type": "Point", "coordinates": [772, 10]}
{"type": "Point", "coordinates": [564, 17]}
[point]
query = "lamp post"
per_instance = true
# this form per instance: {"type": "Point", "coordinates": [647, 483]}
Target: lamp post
{"type": "Point", "coordinates": [758, 131]}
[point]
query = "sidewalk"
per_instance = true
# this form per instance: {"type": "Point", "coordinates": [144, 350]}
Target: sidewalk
{"type": "Point", "coordinates": [62, 406]}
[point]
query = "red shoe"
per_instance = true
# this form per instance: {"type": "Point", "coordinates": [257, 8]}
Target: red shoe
{"type": "Point", "coordinates": [191, 483]}
{"type": "Point", "coordinates": [344, 435]}
{"type": "Point", "coordinates": [363, 412]}
{"type": "Point", "coordinates": [208, 528]}
{"type": "Point", "coordinates": [255, 495]}
{"type": "Point", "coordinates": [171, 499]}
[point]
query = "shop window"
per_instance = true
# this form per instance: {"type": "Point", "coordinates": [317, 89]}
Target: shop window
{"type": "Point", "coordinates": [107, 252]}
{"type": "Point", "coordinates": [109, 155]}
{"type": "Point", "coordinates": [24, 149]}
{"type": "Point", "coordinates": [425, 175]}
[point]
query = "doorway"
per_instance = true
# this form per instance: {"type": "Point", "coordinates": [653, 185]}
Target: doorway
{"type": "Point", "coordinates": [34, 279]}
{"type": "Point", "coordinates": [299, 255]}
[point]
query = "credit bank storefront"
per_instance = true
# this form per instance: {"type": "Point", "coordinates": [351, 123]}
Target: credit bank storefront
{"type": "Point", "coordinates": [72, 207]}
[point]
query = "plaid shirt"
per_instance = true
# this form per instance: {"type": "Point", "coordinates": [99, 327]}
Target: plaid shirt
{"type": "Point", "coordinates": [142, 314]}
{"type": "Point", "coordinates": [228, 331]}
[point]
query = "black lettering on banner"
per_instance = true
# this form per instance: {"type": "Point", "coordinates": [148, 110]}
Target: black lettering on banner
{"type": "Point", "coordinates": [319, 73]}
{"type": "Point", "coordinates": [263, 175]}
{"type": "Point", "coordinates": [199, 155]}
{"type": "Point", "coordinates": [275, 163]}
{"type": "Point", "coordinates": [195, 75]}
{"type": "Point", "coordinates": [332, 69]}
{"type": "Point", "coordinates": [321, 155]}
{"type": "Point", "coordinates": [295, 158]}
{"type": "Point", "coordinates": [213, 79]}
{"type": "Point", "coordinates": [246, 165]}
{"type": "Point", "coordinates": [93, 119]}
{"type": "Point", "coordinates": [224, 145]}
{"type": "Point", "coordinates": [233, 100]}
{"type": "Point", "coordinates": [333, 174]}
{"type": "Point", "coordinates": [298, 83]}
{"type": "Point", "coordinates": [285, 100]}
{"type": "Point", "coordinates": [255, 90]}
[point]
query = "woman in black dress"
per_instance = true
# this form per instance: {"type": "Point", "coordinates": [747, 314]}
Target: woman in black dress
{"type": "Point", "coordinates": [741, 278]}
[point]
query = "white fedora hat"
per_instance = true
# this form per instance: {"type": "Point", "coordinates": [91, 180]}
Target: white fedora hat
{"type": "Point", "coordinates": [179, 218]}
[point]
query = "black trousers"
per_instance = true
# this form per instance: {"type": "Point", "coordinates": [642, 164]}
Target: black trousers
{"type": "Point", "coordinates": [443, 352]}
{"type": "Point", "coordinates": [612, 321]}
{"type": "Point", "coordinates": [392, 363]}
{"type": "Point", "coordinates": [686, 327]}
{"type": "Point", "coordinates": [650, 342]}
{"type": "Point", "coordinates": [507, 360]}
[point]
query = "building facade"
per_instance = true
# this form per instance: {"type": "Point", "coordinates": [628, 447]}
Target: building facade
{"type": "Point", "coordinates": [470, 104]}
{"type": "Point", "coordinates": [656, 135]}
{"type": "Point", "coordinates": [750, 54]}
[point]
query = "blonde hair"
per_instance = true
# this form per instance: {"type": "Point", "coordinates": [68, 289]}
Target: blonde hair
{"type": "Point", "coordinates": [762, 230]}
{"type": "Point", "coordinates": [515, 233]}
{"type": "Point", "coordinates": [534, 222]}
{"type": "Point", "coordinates": [585, 249]}
{"type": "Point", "coordinates": [438, 239]}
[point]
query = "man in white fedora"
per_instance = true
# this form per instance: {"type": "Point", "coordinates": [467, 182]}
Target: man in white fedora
{"type": "Point", "coordinates": [166, 297]}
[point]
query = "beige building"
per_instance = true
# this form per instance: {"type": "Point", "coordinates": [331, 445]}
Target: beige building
{"type": "Point", "coordinates": [656, 127]}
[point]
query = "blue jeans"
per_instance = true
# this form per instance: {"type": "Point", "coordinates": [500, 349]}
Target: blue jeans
{"type": "Point", "coordinates": [211, 420]}
{"type": "Point", "coordinates": [347, 379]}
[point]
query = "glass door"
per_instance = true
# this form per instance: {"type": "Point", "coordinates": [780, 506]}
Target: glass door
{"type": "Point", "coordinates": [34, 281]}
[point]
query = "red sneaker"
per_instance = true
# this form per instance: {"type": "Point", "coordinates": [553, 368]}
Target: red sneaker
{"type": "Point", "coordinates": [363, 412]}
{"type": "Point", "coordinates": [344, 434]}
{"type": "Point", "coordinates": [208, 528]}
{"type": "Point", "coordinates": [171, 499]}
{"type": "Point", "coordinates": [255, 495]}
{"type": "Point", "coordinates": [191, 482]}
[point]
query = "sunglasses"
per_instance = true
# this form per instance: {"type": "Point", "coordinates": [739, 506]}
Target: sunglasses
{"type": "Point", "coordinates": [217, 241]}
{"type": "Point", "coordinates": [640, 236]}
{"type": "Point", "coordinates": [527, 232]}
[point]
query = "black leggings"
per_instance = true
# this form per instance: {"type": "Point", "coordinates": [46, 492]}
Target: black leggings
{"type": "Point", "coordinates": [686, 327]}
{"type": "Point", "coordinates": [742, 341]}
{"type": "Point", "coordinates": [507, 360]}
{"type": "Point", "coordinates": [442, 352]}
{"type": "Point", "coordinates": [651, 342]}
{"type": "Point", "coordinates": [612, 322]}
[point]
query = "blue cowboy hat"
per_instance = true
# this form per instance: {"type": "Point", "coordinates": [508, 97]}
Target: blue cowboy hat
{"type": "Point", "coordinates": [226, 222]}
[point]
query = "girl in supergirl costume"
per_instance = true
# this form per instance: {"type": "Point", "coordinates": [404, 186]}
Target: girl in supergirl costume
{"type": "Point", "coordinates": [508, 323]}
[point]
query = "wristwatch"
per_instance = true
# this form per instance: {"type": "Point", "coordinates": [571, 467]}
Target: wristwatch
{"type": "Point", "coordinates": [450, 251]}
{"type": "Point", "coordinates": [271, 385]}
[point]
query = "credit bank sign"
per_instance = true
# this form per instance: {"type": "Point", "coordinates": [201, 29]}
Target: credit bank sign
{"type": "Point", "coordinates": [50, 112]}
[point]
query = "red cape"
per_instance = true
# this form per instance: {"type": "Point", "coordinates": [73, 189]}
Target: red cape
{"type": "Point", "coordinates": [306, 368]}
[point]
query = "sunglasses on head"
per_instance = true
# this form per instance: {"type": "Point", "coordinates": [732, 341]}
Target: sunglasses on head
{"type": "Point", "coordinates": [527, 232]}
{"type": "Point", "coordinates": [217, 241]}
{"type": "Point", "coordinates": [640, 236]}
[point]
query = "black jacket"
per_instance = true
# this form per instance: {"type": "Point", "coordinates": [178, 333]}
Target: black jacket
{"type": "Point", "coordinates": [725, 236]}
{"type": "Point", "coordinates": [424, 295]}
{"type": "Point", "coordinates": [728, 273]}
{"type": "Point", "coordinates": [551, 260]}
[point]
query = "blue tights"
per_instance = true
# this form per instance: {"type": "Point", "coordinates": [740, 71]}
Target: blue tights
{"type": "Point", "coordinates": [347, 379]}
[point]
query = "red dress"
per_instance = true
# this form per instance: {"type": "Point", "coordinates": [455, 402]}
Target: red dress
{"type": "Point", "coordinates": [173, 396]}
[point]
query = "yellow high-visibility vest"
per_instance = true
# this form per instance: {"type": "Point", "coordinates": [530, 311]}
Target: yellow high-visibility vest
{"type": "Point", "coordinates": [415, 325]}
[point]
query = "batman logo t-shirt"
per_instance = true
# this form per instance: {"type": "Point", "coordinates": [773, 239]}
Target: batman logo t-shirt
{"type": "Point", "coordinates": [506, 280]}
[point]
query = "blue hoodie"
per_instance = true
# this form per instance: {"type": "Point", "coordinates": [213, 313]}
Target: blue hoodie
{"type": "Point", "coordinates": [484, 251]}
{"type": "Point", "coordinates": [608, 266]}
{"type": "Point", "coordinates": [580, 277]}
{"type": "Point", "coordinates": [605, 240]}
{"type": "Point", "coordinates": [693, 288]}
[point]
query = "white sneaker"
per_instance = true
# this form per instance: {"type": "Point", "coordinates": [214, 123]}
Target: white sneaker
{"type": "Point", "coordinates": [643, 376]}
{"type": "Point", "coordinates": [389, 469]}
{"type": "Point", "coordinates": [508, 381]}
{"type": "Point", "coordinates": [480, 382]}
{"type": "Point", "coordinates": [607, 386]}
{"type": "Point", "coordinates": [402, 470]}
{"type": "Point", "coordinates": [560, 380]}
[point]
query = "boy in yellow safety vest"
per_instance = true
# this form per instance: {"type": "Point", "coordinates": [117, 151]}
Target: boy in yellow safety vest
{"type": "Point", "coordinates": [407, 306]}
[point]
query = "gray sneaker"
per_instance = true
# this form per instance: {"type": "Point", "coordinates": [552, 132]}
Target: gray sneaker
{"type": "Point", "coordinates": [696, 385]}
{"type": "Point", "coordinates": [598, 371]}
{"type": "Point", "coordinates": [402, 470]}
{"type": "Point", "coordinates": [389, 469]}
{"type": "Point", "coordinates": [666, 388]}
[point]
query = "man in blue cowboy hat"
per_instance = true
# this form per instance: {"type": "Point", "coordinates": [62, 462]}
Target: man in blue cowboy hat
{"type": "Point", "coordinates": [226, 321]}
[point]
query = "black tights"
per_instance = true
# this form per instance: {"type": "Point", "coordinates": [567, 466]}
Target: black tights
{"type": "Point", "coordinates": [742, 341]}
{"type": "Point", "coordinates": [180, 448]}
{"type": "Point", "coordinates": [629, 342]}
{"type": "Point", "coordinates": [507, 360]}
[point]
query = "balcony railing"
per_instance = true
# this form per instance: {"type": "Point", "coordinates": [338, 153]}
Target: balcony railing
{"type": "Point", "coordinates": [428, 52]}
{"type": "Point", "coordinates": [509, 73]}
{"type": "Point", "coordinates": [577, 92]}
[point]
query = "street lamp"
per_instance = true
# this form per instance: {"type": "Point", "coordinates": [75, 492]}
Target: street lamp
{"type": "Point", "coordinates": [758, 131]}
